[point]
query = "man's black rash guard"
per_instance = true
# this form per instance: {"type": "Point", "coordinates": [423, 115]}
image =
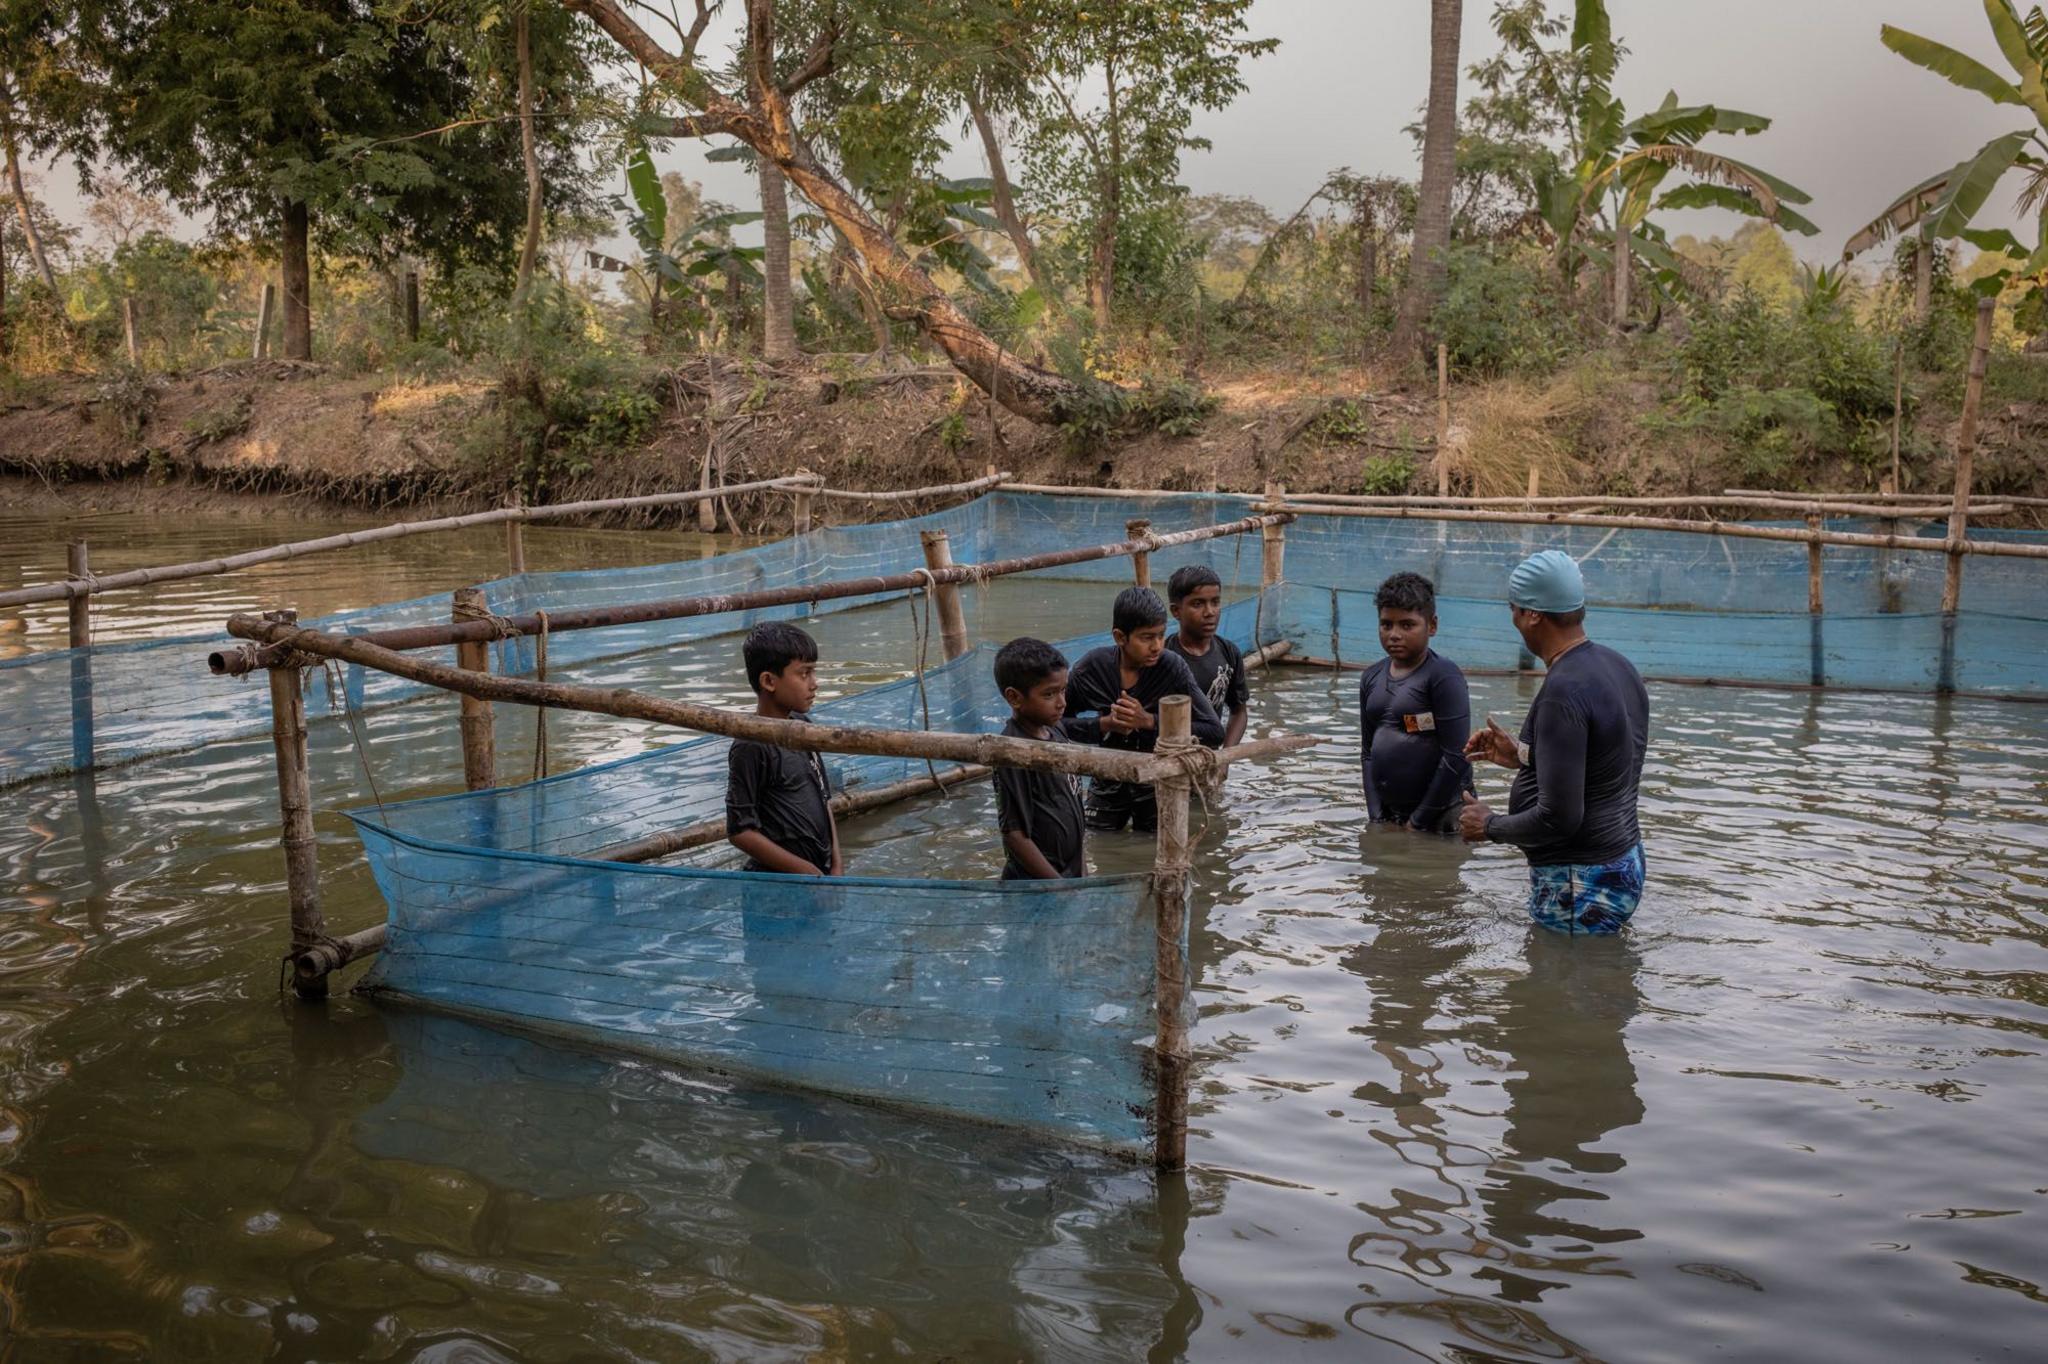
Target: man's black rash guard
{"type": "Point", "coordinates": [1412, 733]}
{"type": "Point", "coordinates": [1574, 800]}
{"type": "Point", "coordinates": [1097, 681]}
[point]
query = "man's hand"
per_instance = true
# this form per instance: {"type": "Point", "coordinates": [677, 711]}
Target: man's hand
{"type": "Point", "coordinates": [1495, 745]}
{"type": "Point", "coordinates": [1128, 714]}
{"type": "Point", "coordinates": [1472, 818]}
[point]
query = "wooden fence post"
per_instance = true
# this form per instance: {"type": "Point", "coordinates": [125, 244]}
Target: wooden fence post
{"type": "Point", "coordinates": [515, 539]}
{"type": "Point", "coordinates": [80, 604]}
{"type": "Point", "coordinates": [1816, 654]}
{"type": "Point", "coordinates": [295, 807]}
{"type": "Point", "coordinates": [1959, 513]}
{"type": "Point", "coordinates": [1273, 543]}
{"type": "Point", "coordinates": [800, 512]}
{"type": "Point", "coordinates": [128, 326]}
{"type": "Point", "coordinates": [265, 311]}
{"type": "Point", "coordinates": [1443, 420]}
{"type": "Point", "coordinates": [412, 305]}
{"type": "Point", "coordinates": [479, 744]}
{"type": "Point", "coordinates": [1170, 1050]}
{"type": "Point", "coordinates": [1141, 562]}
{"type": "Point", "coordinates": [952, 618]}
{"type": "Point", "coordinates": [80, 607]}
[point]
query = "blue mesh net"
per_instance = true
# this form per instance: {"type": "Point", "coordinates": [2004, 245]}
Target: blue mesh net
{"type": "Point", "coordinates": [1737, 611]}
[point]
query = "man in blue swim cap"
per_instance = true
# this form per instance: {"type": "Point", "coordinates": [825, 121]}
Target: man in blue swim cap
{"type": "Point", "coordinates": [1577, 763]}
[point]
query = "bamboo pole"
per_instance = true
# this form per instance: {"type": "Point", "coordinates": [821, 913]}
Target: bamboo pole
{"type": "Point", "coordinates": [911, 494]}
{"type": "Point", "coordinates": [479, 744]}
{"type": "Point", "coordinates": [1762, 502]}
{"type": "Point", "coordinates": [295, 806]}
{"type": "Point", "coordinates": [1140, 528]}
{"type": "Point", "coordinates": [1733, 529]}
{"type": "Point", "coordinates": [800, 511]}
{"type": "Point", "coordinates": [1966, 453]}
{"type": "Point", "coordinates": [1273, 544]}
{"type": "Point", "coordinates": [515, 537]}
{"type": "Point", "coordinates": [78, 568]}
{"type": "Point", "coordinates": [938, 554]}
{"type": "Point", "coordinates": [1535, 481]}
{"type": "Point", "coordinates": [987, 750]}
{"type": "Point", "coordinates": [1943, 500]}
{"type": "Point", "coordinates": [1898, 416]}
{"type": "Point", "coordinates": [266, 310]}
{"type": "Point", "coordinates": [129, 328]}
{"type": "Point", "coordinates": [1813, 551]}
{"type": "Point", "coordinates": [1170, 955]}
{"type": "Point", "coordinates": [399, 530]}
{"type": "Point", "coordinates": [237, 662]}
{"type": "Point", "coordinates": [1443, 420]}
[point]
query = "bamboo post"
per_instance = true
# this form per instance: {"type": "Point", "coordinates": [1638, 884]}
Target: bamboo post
{"type": "Point", "coordinates": [1816, 653]}
{"type": "Point", "coordinates": [1898, 414]}
{"type": "Point", "coordinates": [515, 539]}
{"type": "Point", "coordinates": [1535, 481]}
{"type": "Point", "coordinates": [1140, 528]}
{"type": "Point", "coordinates": [295, 806]}
{"type": "Point", "coordinates": [800, 512]}
{"type": "Point", "coordinates": [80, 603]}
{"type": "Point", "coordinates": [1273, 544]}
{"type": "Point", "coordinates": [1443, 420]}
{"type": "Point", "coordinates": [1966, 452]}
{"type": "Point", "coordinates": [938, 553]}
{"type": "Point", "coordinates": [412, 305]}
{"type": "Point", "coordinates": [81, 659]}
{"type": "Point", "coordinates": [479, 744]}
{"type": "Point", "coordinates": [265, 311]}
{"type": "Point", "coordinates": [128, 327]}
{"type": "Point", "coordinates": [1170, 961]}
{"type": "Point", "coordinates": [1890, 593]}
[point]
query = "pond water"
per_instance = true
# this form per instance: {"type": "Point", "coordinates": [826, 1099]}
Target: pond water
{"type": "Point", "coordinates": [1796, 1112]}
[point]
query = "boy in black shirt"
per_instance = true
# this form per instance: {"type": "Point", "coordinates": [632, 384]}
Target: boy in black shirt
{"type": "Point", "coordinates": [776, 809]}
{"type": "Point", "coordinates": [1039, 813]}
{"type": "Point", "coordinates": [1195, 597]}
{"type": "Point", "coordinates": [1414, 713]}
{"type": "Point", "coordinates": [1113, 699]}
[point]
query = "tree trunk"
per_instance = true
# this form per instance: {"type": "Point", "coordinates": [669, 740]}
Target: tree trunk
{"type": "Point", "coordinates": [1368, 259]}
{"type": "Point", "coordinates": [999, 177]}
{"type": "Point", "coordinates": [778, 332]}
{"type": "Point", "coordinates": [529, 250]}
{"type": "Point", "coordinates": [1923, 278]}
{"type": "Point", "coordinates": [1622, 263]}
{"type": "Point", "coordinates": [1102, 258]}
{"type": "Point", "coordinates": [29, 233]}
{"type": "Point", "coordinates": [1439, 171]}
{"type": "Point", "coordinates": [1032, 393]}
{"type": "Point", "coordinates": [298, 283]}
{"type": "Point", "coordinates": [5, 339]}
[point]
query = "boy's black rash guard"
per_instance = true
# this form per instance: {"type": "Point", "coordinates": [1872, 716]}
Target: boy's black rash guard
{"type": "Point", "coordinates": [1412, 733]}
{"type": "Point", "coordinates": [1574, 799]}
{"type": "Point", "coordinates": [1094, 684]}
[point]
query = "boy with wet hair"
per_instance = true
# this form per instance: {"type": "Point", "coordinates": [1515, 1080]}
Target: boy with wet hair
{"type": "Point", "coordinates": [777, 808]}
{"type": "Point", "coordinates": [1414, 715]}
{"type": "Point", "coordinates": [1113, 697]}
{"type": "Point", "coordinates": [1040, 814]}
{"type": "Point", "coordinates": [1194, 595]}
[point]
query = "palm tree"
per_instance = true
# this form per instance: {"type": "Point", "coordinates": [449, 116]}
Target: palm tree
{"type": "Point", "coordinates": [1439, 170]}
{"type": "Point", "coordinates": [778, 331]}
{"type": "Point", "coordinates": [1944, 205]}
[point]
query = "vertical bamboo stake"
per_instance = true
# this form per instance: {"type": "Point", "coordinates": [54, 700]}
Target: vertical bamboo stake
{"type": "Point", "coordinates": [1141, 563]}
{"type": "Point", "coordinates": [1443, 420]}
{"type": "Point", "coordinates": [1170, 961]}
{"type": "Point", "coordinates": [1966, 451]}
{"type": "Point", "coordinates": [128, 326]}
{"type": "Point", "coordinates": [1889, 597]}
{"type": "Point", "coordinates": [80, 607]}
{"type": "Point", "coordinates": [1813, 600]}
{"type": "Point", "coordinates": [952, 619]}
{"type": "Point", "coordinates": [1273, 542]}
{"type": "Point", "coordinates": [515, 539]}
{"type": "Point", "coordinates": [800, 512]}
{"type": "Point", "coordinates": [80, 603]}
{"type": "Point", "coordinates": [295, 806]}
{"type": "Point", "coordinates": [479, 743]}
{"type": "Point", "coordinates": [1535, 481]}
{"type": "Point", "coordinates": [265, 311]}
{"type": "Point", "coordinates": [1898, 415]}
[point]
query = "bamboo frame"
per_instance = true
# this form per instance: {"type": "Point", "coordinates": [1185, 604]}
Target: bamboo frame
{"type": "Point", "coordinates": [938, 555]}
{"type": "Point", "coordinates": [1733, 529]}
{"type": "Point", "coordinates": [1758, 501]}
{"type": "Point", "coordinates": [1170, 1051]}
{"type": "Point", "coordinates": [1944, 499]}
{"type": "Point", "coordinates": [1273, 545]}
{"type": "Point", "coordinates": [77, 565]}
{"type": "Point", "coordinates": [238, 661]}
{"type": "Point", "coordinates": [295, 801]}
{"type": "Point", "coordinates": [1140, 529]}
{"type": "Point", "coordinates": [479, 745]}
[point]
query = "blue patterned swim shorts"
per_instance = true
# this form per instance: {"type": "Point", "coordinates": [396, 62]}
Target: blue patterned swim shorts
{"type": "Point", "coordinates": [1587, 899]}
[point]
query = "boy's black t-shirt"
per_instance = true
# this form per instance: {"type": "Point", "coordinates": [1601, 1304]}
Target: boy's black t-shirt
{"type": "Point", "coordinates": [1219, 673]}
{"type": "Point", "coordinates": [1043, 806]}
{"type": "Point", "coordinates": [1412, 733]}
{"type": "Point", "coordinates": [1095, 683]}
{"type": "Point", "coordinates": [781, 793]}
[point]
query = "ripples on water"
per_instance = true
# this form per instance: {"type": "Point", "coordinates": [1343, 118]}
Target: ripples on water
{"type": "Point", "coordinates": [1796, 1113]}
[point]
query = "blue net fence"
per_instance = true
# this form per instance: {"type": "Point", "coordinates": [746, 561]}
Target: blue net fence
{"type": "Point", "coordinates": [1738, 610]}
{"type": "Point", "coordinates": [1024, 1003]}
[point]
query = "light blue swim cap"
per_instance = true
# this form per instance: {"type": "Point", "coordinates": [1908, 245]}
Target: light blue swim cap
{"type": "Point", "coordinates": [1549, 581]}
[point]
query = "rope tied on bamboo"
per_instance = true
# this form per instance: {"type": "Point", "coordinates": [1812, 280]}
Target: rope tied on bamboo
{"type": "Point", "coordinates": [502, 627]}
{"type": "Point", "coordinates": [923, 636]}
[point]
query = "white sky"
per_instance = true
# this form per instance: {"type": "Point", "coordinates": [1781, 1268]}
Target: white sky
{"type": "Point", "coordinates": [1855, 124]}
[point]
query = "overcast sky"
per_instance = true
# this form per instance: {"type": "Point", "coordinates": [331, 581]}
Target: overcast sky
{"type": "Point", "coordinates": [1855, 124]}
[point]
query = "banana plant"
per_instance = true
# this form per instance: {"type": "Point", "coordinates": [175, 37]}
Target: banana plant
{"type": "Point", "coordinates": [672, 262]}
{"type": "Point", "coordinates": [1624, 163]}
{"type": "Point", "coordinates": [1943, 206]}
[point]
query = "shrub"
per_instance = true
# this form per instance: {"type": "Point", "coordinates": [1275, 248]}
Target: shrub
{"type": "Point", "coordinates": [1386, 475]}
{"type": "Point", "coordinates": [1505, 314]}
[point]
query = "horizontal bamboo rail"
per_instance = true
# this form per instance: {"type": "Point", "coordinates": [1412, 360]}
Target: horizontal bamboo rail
{"type": "Point", "coordinates": [974, 485]}
{"type": "Point", "coordinates": [1759, 502]}
{"type": "Point", "coordinates": [986, 750]}
{"type": "Point", "coordinates": [1941, 499]}
{"type": "Point", "coordinates": [1734, 529]}
{"type": "Point", "coordinates": [236, 662]}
